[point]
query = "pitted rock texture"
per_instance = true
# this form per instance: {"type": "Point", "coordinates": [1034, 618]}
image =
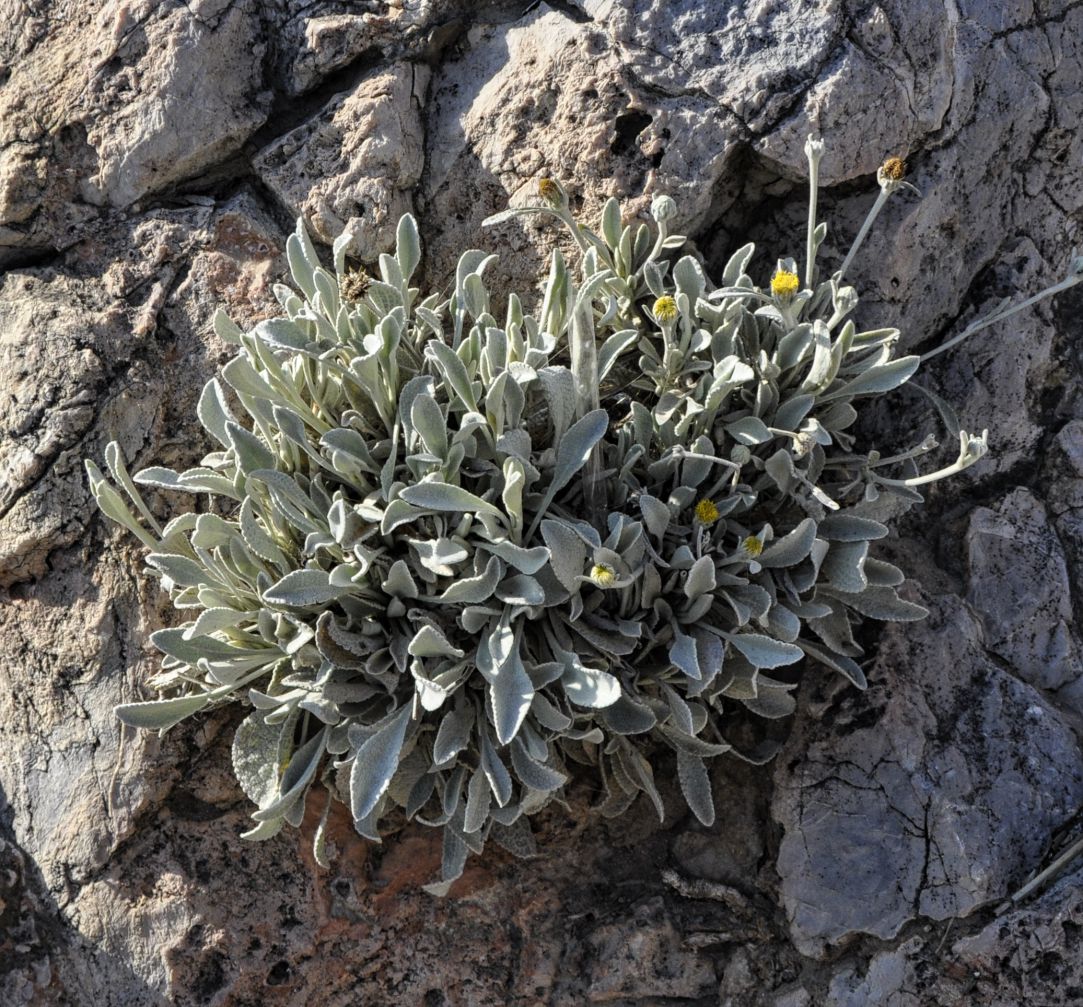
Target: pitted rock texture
{"type": "Point", "coordinates": [152, 157]}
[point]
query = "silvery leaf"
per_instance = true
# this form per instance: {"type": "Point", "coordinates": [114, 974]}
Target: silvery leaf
{"type": "Point", "coordinates": [844, 565]}
{"type": "Point", "coordinates": [478, 801]}
{"type": "Point", "coordinates": [700, 579]}
{"type": "Point", "coordinates": [881, 574]}
{"type": "Point", "coordinates": [302, 588]}
{"type": "Point", "coordinates": [696, 786]}
{"type": "Point", "coordinates": [376, 762]}
{"type": "Point", "coordinates": [764, 652]}
{"type": "Point", "coordinates": [838, 662]}
{"type": "Point", "coordinates": [656, 515]}
{"type": "Point", "coordinates": [534, 774]}
{"type": "Point", "coordinates": [160, 714]}
{"type": "Point", "coordinates": [428, 641]}
{"type": "Point", "coordinates": [850, 528]}
{"type": "Point", "coordinates": [295, 780]}
{"type": "Point", "coordinates": [407, 246]}
{"type": "Point", "coordinates": [567, 553]}
{"type": "Point", "coordinates": [453, 372]}
{"type": "Point", "coordinates": [625, 716]}
{"type": "Point", "coordinates": [255, 758]}
{"type": "Point", "coordinates": [181, 570]}
{"type": "Point", "coordinates": [453, 736]}
{"type": "Point", "coordinates": [879, 378]}
{"type": "Point", "coordinates": [772, 703]}
{"type": "Point", "coordinates": [574, 449]}
{"type": "Point", "coordinates": [520, 590]}
{"type": "Point", "coordinates": [749, 431]}
{"type": "Point", "coordinates": [588, 687]}
{"type": "Point", "coordinates": [495, 771]}
{"type": "Point", "coordinates": [884, 604]}
{"type": "Point", "coordinates": [682, 653]}
{"type": "Point", "coordinates": [213, 412]}
{"type": "Point", "coordinates": [528, 561]}
{"type": "Point", "coordinates": [445, 497]}
{"type": "Point", "coordinates": [791, 549]}
{"type": "Point", "coordinates": [475, 590]}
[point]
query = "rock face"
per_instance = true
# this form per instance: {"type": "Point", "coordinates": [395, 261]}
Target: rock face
{"type": "Point", "coordinates": [152, 155]}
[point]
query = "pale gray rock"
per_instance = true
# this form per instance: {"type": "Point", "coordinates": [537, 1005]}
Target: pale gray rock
{"type": "Point", "coordinates": [152, 157]}
{"type": "Point", "coordinates": [1029, 955]}
{"type": "Point", "coordinates": [352, 170]}
{"type": "Point", "coordinates": [1019, 587]}
{"type": "Point", "coordinates": [927, 796]}
{"type": "Point", "coordinates": [889, 981]}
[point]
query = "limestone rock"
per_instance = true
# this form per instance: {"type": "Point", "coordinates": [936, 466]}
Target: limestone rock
{"type": "Point", "coordinates": [353, 168]}
{"type": "Point", "coordinates": [927, 796]}
{"type": "Point", "coordinates": [152, 159]}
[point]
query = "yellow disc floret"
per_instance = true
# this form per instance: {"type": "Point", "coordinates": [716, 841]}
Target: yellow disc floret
{"type": "Point", "coordinates": [752, 545]}
{"type": "Point", "coordinates": [603, 575]}
{"type": "Point", "coordinates": [665, 308]}
{"type": "Point", "coordinates": [785, 284]}
{"type": "Point", "coordinates": [706, 512]}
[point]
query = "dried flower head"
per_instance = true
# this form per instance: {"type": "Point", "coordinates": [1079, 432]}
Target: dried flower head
{"type": "Point", "coordinates": [706, 512]}
{"type": "Point", "coordinates": [550, 191]}
{"type": "Point", "coordinates": [665, 308]}
{"type": "Point", "coordinates": [894, 168]}
{"type": "Point", "coordinates": [354, 284]}
{"type": "Point", "coordinates": [785, 284]}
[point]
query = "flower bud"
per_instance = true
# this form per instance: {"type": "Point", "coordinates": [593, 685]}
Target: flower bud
{"type": "Point", "coordinates": [663, 208]}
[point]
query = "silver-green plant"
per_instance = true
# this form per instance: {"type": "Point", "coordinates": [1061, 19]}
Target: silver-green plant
{"type": "Point", "coordinates": [462, 554]}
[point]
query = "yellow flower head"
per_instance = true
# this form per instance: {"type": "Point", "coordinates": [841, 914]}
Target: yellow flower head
{"type": "Point", "coordinates": [549, 191]}
{"type": "Point", "coordinates": [706, 512]}
{"type": "Point", "coordinates": [752, 545]}
{"type": "Point", "coordinates": [785, 284]}
{"type": "Point", "coordinates": [893, 168]}
{"type": "Point", "coordinates": [665, 308]}
{"type": "Point", "coordinates": [603, 575]}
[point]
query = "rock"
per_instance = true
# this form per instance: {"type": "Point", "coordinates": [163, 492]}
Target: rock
{"type": "Point", "coordinates": [152, 159]}
{"type": "Point", "coordinates": [648, 961]}
{"type": "Point", "coordinates": [173, 90]}
{"type": "Point", "coordinates": [928, 795]}
{"type": "Point", "coordinates": [888, 982]}
{"type": "Point", "coordinates": [1019, 586]}
{"type": "Point", "coordinates": [1031, 954]}
{"type": "Point", "coordinates": [353, 168]}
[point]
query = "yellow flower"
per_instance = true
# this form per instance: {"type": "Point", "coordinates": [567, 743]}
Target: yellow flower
{"type": "Point", "coordinates": [893, 168]}
{"type": "Point", "coordinates": [549, 191]}
{"type": "Point", "coordinates": [752, 545]}
{"type": "Point", "coordinates": [603, 575]}
{"type": "Point", "coordinates": [785, 284]}
{"type": "Point", "coordinates": [706, 512]}
{"type": "Point", "coordinates": [665, 308]}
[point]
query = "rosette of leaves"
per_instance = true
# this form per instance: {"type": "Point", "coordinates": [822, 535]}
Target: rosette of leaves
{"type": "Point", "coordinates": [452, 554]}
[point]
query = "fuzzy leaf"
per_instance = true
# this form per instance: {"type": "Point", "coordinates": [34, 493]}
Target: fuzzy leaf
{"type": "Point", "coordinates": [765, 652]}
{"type": "Point", "coordinates": [376, 762]}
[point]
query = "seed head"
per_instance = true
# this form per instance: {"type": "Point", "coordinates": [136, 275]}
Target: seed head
{"type": "Point", "coordinates": [752, 545]}
{"type": "Point", "coordinates": [785, 284]}
{"type": "Point", "coordinates": [603, 575]}
{"type": "Point", "coordinates": [706, 512]}
{"type": "Point", "coordinates": [894, 168]}
{"type": "Point", "coordinates": [550, 191]}
{"type": "Point", "coordinates": [665, 309]}
{"type": "Point", "coordinates": [354, 284]}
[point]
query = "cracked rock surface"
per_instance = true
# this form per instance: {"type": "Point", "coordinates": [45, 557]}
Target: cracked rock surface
{"type": "Point", "coordinates": [152, 156]}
